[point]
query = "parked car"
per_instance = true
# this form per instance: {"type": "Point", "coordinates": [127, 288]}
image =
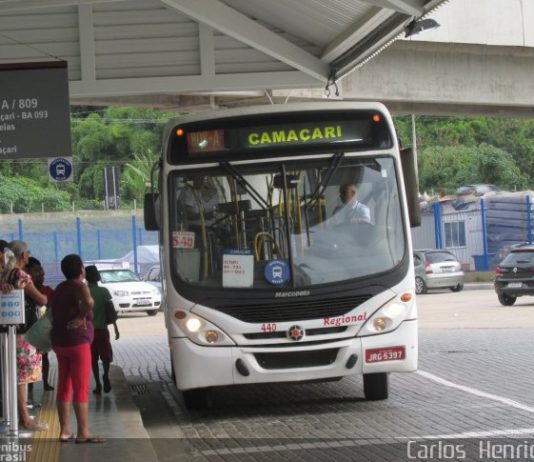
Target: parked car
{"type": "Point", "coordinates": [477, 189]}
{"type": "Point", "coordinates": [437, 269]}
{"type": "Point", "coordinates": [514, 276]}
{"type": "Point", "coordinates": [153, 277]}
{"type": "Point", "coordinates": [129, 293]}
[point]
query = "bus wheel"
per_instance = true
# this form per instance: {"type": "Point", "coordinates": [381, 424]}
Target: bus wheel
{"type": "Point", "coordinates": [375, 386]}
{"type": "Point", "coordinates": [420, 286]}
{"type": "Point", "coordinates": [506, 300]}
{"type": "Point", "coordinates": [152, 312]}
{"type": "Point", "coordinates": [198, 399]}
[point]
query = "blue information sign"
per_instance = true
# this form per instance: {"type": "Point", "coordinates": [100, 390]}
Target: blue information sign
{"type": "Point", "coordinates": [60, 169]}
{"type": "Point", "coordinates": [276, 272]}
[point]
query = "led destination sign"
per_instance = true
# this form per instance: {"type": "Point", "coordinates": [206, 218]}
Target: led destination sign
{"type": "Point", "coordinates": [317, 131]}
{"type": "Point", "coordinates": [301, 133]}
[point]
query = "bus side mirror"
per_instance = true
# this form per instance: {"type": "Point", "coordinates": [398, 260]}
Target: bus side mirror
{"type": "Point", "coordinates": [411, 183]}
{"type": "Point", "coordinates": [151, 211]}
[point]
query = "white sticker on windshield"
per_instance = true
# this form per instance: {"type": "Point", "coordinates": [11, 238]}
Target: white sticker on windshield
{"type": "Point", "coordinates": [238, 268]}
{"type": "Point", "coordinates": [384, 173]}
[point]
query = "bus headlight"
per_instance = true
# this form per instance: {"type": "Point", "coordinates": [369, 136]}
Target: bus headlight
{"type": "Point", "coordinates": [212, 336]}
{"type": "Point", "coordinates": [202, 332]}
{"type": "Point", "coordinates": [380, 324]}
{"type": "Point", "coordinates": [385, 319]}
{"type": "Point", "coordinates": [193, 325]}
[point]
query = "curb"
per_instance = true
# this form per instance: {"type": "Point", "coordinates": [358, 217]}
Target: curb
{"type": "Point", "coordinates": [479, 286]}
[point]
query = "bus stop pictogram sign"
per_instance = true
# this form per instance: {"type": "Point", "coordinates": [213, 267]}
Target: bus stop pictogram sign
{"type": "Point", "coordinates": [34, 110]}
{"type": "Point", "coordinates": [60, 169]}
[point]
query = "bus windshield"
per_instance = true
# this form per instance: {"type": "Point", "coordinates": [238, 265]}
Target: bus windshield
{"type": "Point", "coordinates": [285, 225]}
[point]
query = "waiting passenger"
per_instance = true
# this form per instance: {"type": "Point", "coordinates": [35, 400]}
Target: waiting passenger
{"type": "Point", "coordinates": [101, 346]}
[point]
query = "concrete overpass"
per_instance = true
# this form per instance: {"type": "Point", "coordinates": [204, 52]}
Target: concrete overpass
{"type": "Point", "coordinates": [480, 61]}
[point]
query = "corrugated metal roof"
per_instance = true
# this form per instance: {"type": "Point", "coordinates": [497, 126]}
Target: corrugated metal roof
{"type": "Point", "coordinates": [140, 47]}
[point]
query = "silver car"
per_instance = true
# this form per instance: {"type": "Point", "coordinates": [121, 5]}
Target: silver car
{"type": "Point", "coordinates": [437, 269]}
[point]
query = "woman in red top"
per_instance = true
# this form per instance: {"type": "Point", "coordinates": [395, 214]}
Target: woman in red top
{"type": "Point", "coordinates": [72, 334]}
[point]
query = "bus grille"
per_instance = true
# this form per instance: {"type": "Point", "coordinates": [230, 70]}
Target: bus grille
{"type": "Point", "coordinates": [293, 311]}
{"type": "Point", "coordinates": [283, 334]}
{"type": "Point", "coordinates": [296, 359]}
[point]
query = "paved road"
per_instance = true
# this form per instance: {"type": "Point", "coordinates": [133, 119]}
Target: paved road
{"type": "Point", "coordinates": [475, 380]}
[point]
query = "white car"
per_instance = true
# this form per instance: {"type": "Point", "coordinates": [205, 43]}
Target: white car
{"type": "Point", "coordinates": [153, 277]}
{"type": "Point", "coordinates": [129, 293]}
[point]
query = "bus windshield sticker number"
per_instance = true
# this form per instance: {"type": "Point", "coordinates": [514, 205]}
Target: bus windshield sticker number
{"type": "Point", "coordinates": [238, 268]}
{"type": "Point", "coordinates": [183, 240]}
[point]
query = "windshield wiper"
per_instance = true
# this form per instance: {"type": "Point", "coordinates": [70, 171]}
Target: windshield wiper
{"type": "Point", "coordinates": [229, 168]}
{"type": "Point", "coordinates": [332, 167]}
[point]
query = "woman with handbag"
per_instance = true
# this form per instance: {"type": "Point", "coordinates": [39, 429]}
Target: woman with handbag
{"type": "Point", "coordinates": [28, 358]}
{"type": "Point", "coordinates": [36, 271]}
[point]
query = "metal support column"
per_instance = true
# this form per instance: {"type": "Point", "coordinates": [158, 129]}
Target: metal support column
{"type": "Point", "coordinates": [484, 233]}
{"type": "Point", "coordinates": [6, 417]}
{"type": "Point", "coordinates": [134, 239]}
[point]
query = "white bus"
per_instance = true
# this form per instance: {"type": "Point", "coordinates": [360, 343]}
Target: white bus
{"type": "Point", "coordinates": [286, 248]}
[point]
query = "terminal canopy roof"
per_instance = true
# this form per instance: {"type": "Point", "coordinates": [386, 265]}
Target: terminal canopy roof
{"type": "Point", "coordinates": [148, 51]}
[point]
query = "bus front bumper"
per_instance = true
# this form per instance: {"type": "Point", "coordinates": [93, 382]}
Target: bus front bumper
{"type": "Point", "coordinates": [198, 366]}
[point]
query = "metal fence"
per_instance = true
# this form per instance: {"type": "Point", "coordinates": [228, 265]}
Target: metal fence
{"type": "Point", "coordinates": [479, 232]}
{"type": "Point", "coordinates": [93, 235]}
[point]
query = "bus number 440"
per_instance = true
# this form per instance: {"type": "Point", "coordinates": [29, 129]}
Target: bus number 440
{"type": "Point", "coordinates": [268, 327]}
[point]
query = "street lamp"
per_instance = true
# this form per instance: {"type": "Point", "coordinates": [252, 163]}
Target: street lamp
{"type": "Point", "coordinates": [420, 25]}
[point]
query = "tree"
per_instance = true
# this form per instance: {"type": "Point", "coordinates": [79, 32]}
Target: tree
{"type": "Point", "coordinates": [448, 167]}
{"type": "Point", "coordinates": [137, 175]}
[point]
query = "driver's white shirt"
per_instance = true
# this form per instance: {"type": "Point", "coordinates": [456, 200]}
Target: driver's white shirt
{"type": "Point", "coordinates": [347, 212]}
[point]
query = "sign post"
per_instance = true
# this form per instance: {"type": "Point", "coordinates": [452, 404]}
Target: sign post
{"type": "Point", "coordinates": [11, 314]}
{"type": "Point", "coordinates": [6, 393]}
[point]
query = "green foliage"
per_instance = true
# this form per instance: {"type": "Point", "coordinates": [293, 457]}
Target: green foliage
{"type": "Point", "coordinates": [453, 151]}
{"type": "Point", "coordinates": [26, 195]}
{"type": "Point", "coordinates": [137, 175]}
{"type": "Point", "coordinates": [119, 136]}
{"type": "Point", "coordinates": [448, 167]}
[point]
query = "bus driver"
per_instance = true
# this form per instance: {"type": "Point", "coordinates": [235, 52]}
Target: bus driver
{"type": "Point", "coordinates": [352, 210]}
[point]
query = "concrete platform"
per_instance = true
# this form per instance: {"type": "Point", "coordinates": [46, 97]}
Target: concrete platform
{"type": "Point", "coordinates": [113, 416]}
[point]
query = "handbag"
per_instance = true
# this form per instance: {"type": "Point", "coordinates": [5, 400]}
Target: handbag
{"type": "Point", "coordinates": [39, 334]}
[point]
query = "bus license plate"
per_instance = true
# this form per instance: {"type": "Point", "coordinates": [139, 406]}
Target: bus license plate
{"type": "Point", "coordinates": [515, 285]}
{"type": "Point", "coordinates": [377, 355]}
{"type": "Point", "coordinates": [143, 302]}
